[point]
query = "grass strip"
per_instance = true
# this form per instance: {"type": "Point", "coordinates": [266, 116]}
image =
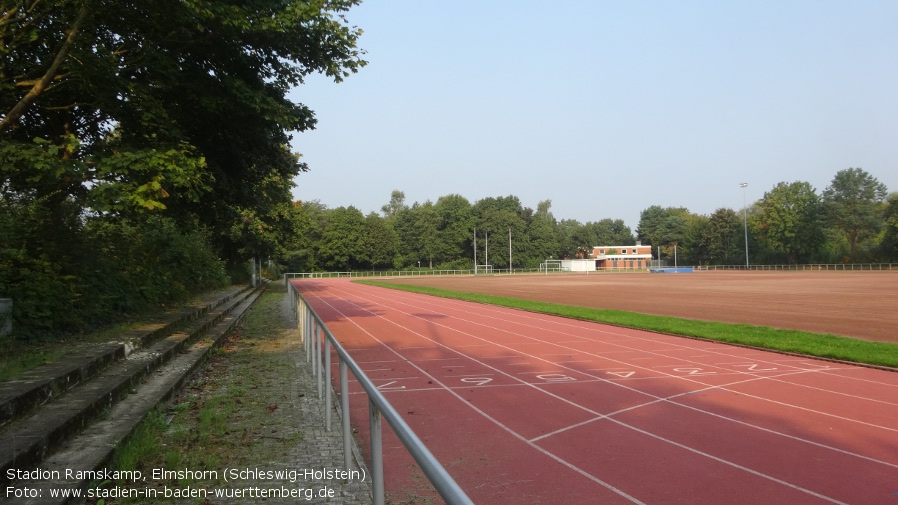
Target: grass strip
{"type": "Point", "coordinates": [821, 345]}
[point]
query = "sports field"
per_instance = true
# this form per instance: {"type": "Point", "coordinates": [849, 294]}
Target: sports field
{"type": "Point", "coordinates": [853, 304]}
{"type": "Point", "coordinates": [527, 408]}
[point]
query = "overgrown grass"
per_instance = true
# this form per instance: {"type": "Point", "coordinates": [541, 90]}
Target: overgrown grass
{"type": "Point", "coordinates": [794, 341]}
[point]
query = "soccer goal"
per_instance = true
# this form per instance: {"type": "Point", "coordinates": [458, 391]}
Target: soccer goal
{"type": "Point", "coordinates": [483, 269]}
{"type": "Point", "coordinates": [550, 266]}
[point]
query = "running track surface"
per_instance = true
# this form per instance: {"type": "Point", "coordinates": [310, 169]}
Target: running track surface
{"type": "Point", "coordinates": [526, 408]}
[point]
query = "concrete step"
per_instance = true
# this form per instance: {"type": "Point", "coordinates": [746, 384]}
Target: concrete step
{"type": "Point", "coordinates": [109, 405]}
{"type": "Point", "coordinates": [35, 387]}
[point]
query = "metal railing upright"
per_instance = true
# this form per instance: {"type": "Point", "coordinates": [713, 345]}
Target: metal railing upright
{"type": "Point", "coordinates": [319, 344]}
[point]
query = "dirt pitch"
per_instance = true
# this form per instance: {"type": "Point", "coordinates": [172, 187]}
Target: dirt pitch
{"type": "Point", "coordinates": [861, 304]}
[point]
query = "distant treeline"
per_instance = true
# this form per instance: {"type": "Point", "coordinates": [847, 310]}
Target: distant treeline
{"type": "Point", "coordinates": [852, 220]}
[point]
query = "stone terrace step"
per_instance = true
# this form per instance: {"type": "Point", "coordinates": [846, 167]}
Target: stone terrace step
{"type": "Point", "coordinates": [110, 393]}
{"type": "Point", "coordinates": [93, 448]}
{"type": "Point", "coordinates": [36, 387]}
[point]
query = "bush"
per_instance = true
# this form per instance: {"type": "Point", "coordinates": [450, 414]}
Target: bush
{"type": "Point", "coordinates": [68, 272]}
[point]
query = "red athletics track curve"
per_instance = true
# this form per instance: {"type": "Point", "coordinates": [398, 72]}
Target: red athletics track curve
{"type": "Point", "coordinates": [527, 408]}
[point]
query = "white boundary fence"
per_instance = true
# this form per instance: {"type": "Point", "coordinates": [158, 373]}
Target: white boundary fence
{"type": "Point", "coordinates": [318, 342]}
{"type": "Point", "coordinates": [543, 270]}
{"type": "Point", "coordinates": [840, 267]}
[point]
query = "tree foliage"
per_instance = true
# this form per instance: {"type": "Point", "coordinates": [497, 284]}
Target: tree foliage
{"type": "Point", "coordinates": [723, 237]}
{"type": "Point", "coordinates": [791, 221]}
{"type": "Point", "coordinates": [171, 104]}
{"type": "Point", "coordinates": [127, 118]}
{"type": "Point", "coordinates": [853, 205]}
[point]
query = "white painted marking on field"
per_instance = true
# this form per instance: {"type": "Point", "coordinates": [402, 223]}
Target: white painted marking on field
{"type": "Point", "coordinates": [479, 381]}
{"type": "Point", "coordinates": [692, 371]}
{"type": "Point", "coordinates": [555, 377]}
{"type": "Point", "coordinates": [386, 386]}
{"type": "Point", "coordinates": [631, 427]}
{"type": "Point", "coordinates": [753, 367]}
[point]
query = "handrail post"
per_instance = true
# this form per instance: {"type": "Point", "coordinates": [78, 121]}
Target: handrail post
{"type": "Point", "coordinates": [344, 409]}
{"type": "Point", "coordinates": [300, 315]}
{"type": "Point", "coordinates": [327, 384]}
{"type": "Point", "coordinates": [318, 335]}
{"type": "Point", "coordinates": [309, 322]}
{"type": "Point", "coordinates": [377, 455]}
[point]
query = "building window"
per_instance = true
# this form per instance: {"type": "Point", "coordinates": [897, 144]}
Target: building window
{"type": "Point", "coordinates": [634, 251]}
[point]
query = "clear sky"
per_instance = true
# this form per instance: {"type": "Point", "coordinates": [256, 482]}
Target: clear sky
{"type": "Point", "coordinates": [605, 108]}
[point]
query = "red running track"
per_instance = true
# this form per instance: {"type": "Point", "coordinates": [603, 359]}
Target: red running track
{"type": "Point", "coordinates": [527, 408]}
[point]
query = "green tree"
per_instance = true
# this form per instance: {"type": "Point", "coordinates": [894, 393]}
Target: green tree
{"type": "Point", "coordinates": [542, 235]}
{"type": "Point", "coordinates": [694, 250]}
{"type": "Point", "coordinates": [380, 242]}
{"type": "Point", "coordinates": [456, 221]}
{"type": "Point", "coordinates": [147, 105]}
{"type": "Point", "coordinates": [790, 221]}
{"type": "Point", "coordinates": [300, 249]}
{"type": "Point", "coordinates": [342, 244]}
{"type": "Point", "coordinates": [852, 204]}
{"type": "Point", "coordinates": [396, 205]}
{"type": "Point", "coordinates": [723, 236]}
{"type": "Point", "coordinates": [495, 216]}
{"type": "Point", "coordinates": [889, 244]}
{"type": "Point", "coordinates": [612, 232]}
{"type": "Point", "coordinates": [665, 228]}
{"type": "Point", "coordinates": [427, 229]}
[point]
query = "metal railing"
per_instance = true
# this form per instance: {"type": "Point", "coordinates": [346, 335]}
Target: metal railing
{"type": "Point", "coordinates": [319, 342]}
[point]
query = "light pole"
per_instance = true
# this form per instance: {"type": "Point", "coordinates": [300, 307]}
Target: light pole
{"type": "Point", "coordinates": [510, 269]}
{"type": "Point", "coordinates": [744, 185]}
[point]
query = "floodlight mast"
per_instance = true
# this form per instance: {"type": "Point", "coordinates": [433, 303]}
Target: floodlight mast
{"type": "Point", "coordinates": [744, 185]}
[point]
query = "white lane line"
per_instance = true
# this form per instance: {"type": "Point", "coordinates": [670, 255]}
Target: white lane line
{"type": "Point", "coordinates": [599, 415]}
{"type": "Point", "coordinates": [495, 421]}
{"type": "Point", "coordinates": [751, 378]}
{"type": "Point", "coordinates": [809, 366]}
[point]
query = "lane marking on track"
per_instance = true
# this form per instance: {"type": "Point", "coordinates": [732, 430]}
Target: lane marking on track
{"type": "Point", "coordinates": [480, 381]}
{"type": "Point", "coordinates": [671, 399]}
{"type": "Point", "coordinates": [493, 420]}
{"type": "Point", "coordinates": [659, 399]}
{"type": "Point", "coordinates": [600, 416]}
{"type": "Point", "coordinates": [386, 386]}
{"type": "Point", "coordinates": [811, 367]}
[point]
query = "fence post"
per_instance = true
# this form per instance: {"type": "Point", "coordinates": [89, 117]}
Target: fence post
{"type": "Point", "coordinates": [327, 384]}
{"type": "Point", "coordinates": [318, 335]}
{"type": "Point", "coordinates": [344, 409]}
{"type": "Point", "coordinates": [377, 456]}
{"type": "Point", "coordinates": [309, 322]}
{"type": "Point", "coordinates": [301, 317]}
